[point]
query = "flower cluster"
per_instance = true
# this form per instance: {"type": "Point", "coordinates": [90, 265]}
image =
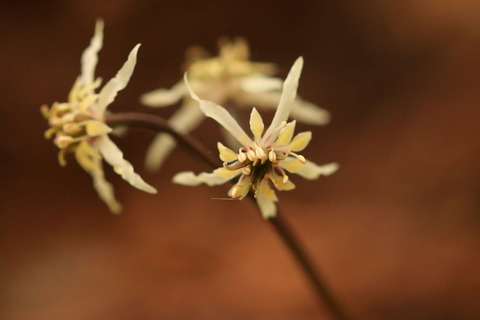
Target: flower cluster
{"type": "Point", "coordinates": [78, 125]}
{"type": "Point", "coordinates": [228, 78]}
{"type": "Point", "coordinates": [264, 159]}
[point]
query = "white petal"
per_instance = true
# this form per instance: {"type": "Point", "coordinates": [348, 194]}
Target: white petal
{"type": "Point", "coordinates": [286, 101]}
{"type": "Point", "coordinates": [90, 55]}
{"type": "Point", "coordinates": [312, 171]}
{"type": "Point", "coordinates": [259, 83]}
{"type": "Point", "coordinates": [256, 124]}
{"type": "Point", "coordinates": [219, 114]}
{"type": "Point", "coordinates": [114, 156]}
{"type": "Point", "coordinates": [309, 113]}
{"type": "Point", "coordinates": [110, 90]}
{"type": "Point", "coordinates": [164, 97]}
{"type": "Point", "coordinates": [187, 118]}
{"type": "Point", "coordinates": [266, 199]}
{"type": "Point", "coordinates": [159, 150]}
{"type": "Point", "coordinates": [105, 191]}
{"type": "Point", "coordinates": [188, 178]}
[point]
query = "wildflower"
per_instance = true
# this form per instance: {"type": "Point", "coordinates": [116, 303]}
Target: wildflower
{"type": "Point", "coordinates": [228, 78]}
{"type": "Point", "coordinates": [78, 125]}
{"type": "Point", "coordinates": [264, 159]}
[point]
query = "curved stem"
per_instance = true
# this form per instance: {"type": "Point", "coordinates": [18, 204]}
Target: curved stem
{"type": "Point", "coordinates": [283, 229]}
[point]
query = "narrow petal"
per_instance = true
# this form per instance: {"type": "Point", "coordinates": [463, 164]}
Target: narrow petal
{"type": "Point", "coordinates": [259, 83]}
{"type": "Point", "coordinates": [105, 190]}
{"type": "Point", "coordinates": [217, 177]}
{"type": "Point", "coordinates": [226, 154]}
{"type": "Point", "coordinates": [312, 171]}
{"type": "Point", "coordinates": [266, 199]}
{"type": "Point", "coordinates": [110, 90]}
{"type": "Point", "coordinates": [158, 152]}
{"type": "Point", "coordinates": [286, 134]}
{"type": "Point", "coordinates": [90, 55]}
{"type": "Point", "coordinates": [164, 97]}
{"type": "Point", "coordinates": [300, 141]}
{"type": "Point", "coordinates": [114, 156]}
{"type": "Point", "coordinates": [309, 113]}
{"type": "Point", "coordinates": [219, 114]}
{"type": "Point", "coordinates": [91, 162]}
{"type": "Point", "coordinates": [286, 101]}
{"type": "Point", "coordinates": [256, 124]}
{"type": "Point", "coordinates": [187, 118]}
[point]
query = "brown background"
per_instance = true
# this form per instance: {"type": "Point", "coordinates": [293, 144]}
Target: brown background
{"type": "Point", "coordinates": [395, 231]}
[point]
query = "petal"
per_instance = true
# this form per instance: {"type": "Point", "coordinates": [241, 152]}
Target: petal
{"type": "Point", "coordinates": [217, 177]}
{"type": "Point", "coordinates": [286, 134]}
{"type": "Point", "coordinates": [291, 164]}
{"type": "Point", "coordinates": [256, 124]}
{"type": "Point", "coordinates": [105, 190]}
{"type": "Point", "coordinates": [266, 199]}
{"type": "Point", "coordinates": [226, 154]}
{"type": "Point", "coordinates": [259, 83]}
{"type": "Point", "coordinates": [187, 118]}
{"type": "Point", "coordinates": [164, 97]}
{"type": "Point", "coordinates": [114, 156]}
{"type": "Point", "coordinates": [277, 181]}
{"type": "Point", "coordinates": [97, 128]}
{"type": "Point", "coordinates": [90, 161]}
{"type": "Point", "coordinates": [300, 141]}
{"type": "Point", "coordinates": [90, 55]}
{"type": "Point", "coordinates": [219, 114]}
{"type": "Point", "coordinates": [312, 171]}
{"type": "Point", "coordinates": [87, 157]}
{"type": "Point", "coordinates": [110, 90]}
{"type": "Point", "coordinates": [286, 101]}
{"type": "Point", "coordinates": [159, 150]}
{"type": "Point", "coordinates": [309, 113]}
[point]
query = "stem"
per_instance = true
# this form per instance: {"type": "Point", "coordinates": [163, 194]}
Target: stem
{"type": "Point", "coordinates": [279, 224]}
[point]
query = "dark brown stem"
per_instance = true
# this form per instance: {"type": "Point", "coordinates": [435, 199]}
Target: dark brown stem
{"type": "Point", "coordinates": [283, 229]}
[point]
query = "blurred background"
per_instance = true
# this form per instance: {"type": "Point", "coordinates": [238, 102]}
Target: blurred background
{"type": "Point", "coordinates": [394, 231]}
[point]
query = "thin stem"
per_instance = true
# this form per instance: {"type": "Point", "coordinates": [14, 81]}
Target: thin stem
{"type": "Point", "coordinates": [321, 288]}
{"type": "Point", "coordinates": [279, 224]}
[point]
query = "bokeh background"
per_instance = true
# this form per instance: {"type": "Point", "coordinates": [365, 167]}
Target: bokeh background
{"type": "Point", "coordinates": [395, 231]}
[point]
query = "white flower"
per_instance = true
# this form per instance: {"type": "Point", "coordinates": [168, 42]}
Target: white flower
{"type": "Point", "coordinates": [79, 127]}
{"type": "Point", "coordinates": [229, 78]}
{"type": "Point", "coordinates": [265, 158]}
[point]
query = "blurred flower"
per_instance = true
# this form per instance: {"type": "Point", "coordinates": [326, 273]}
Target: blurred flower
{"type": "Point", "coordinates": [267, 158]}
{"type": "Point", "coordinates": [229, 78]}
{"type": "Point", "coordinates": [79, 127]}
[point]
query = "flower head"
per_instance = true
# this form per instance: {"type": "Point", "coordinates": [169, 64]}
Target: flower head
{"type": "Point", "coordinates": [265, 159]}
{"type": "Point", "coordinates": [78, 125]}
{"type": "Point", "coordinates": [229, 77]}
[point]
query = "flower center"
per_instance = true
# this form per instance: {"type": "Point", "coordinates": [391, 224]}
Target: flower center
{"type": "Point", "coordinates": [258, 164]}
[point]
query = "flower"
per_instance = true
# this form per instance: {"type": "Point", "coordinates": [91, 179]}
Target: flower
{"type": "Point", "coordinates": [264, 159]}
{"type": "Point", "coordinates": [228, 78]}
{"type": "Point", "coordinates": [79, 127]}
